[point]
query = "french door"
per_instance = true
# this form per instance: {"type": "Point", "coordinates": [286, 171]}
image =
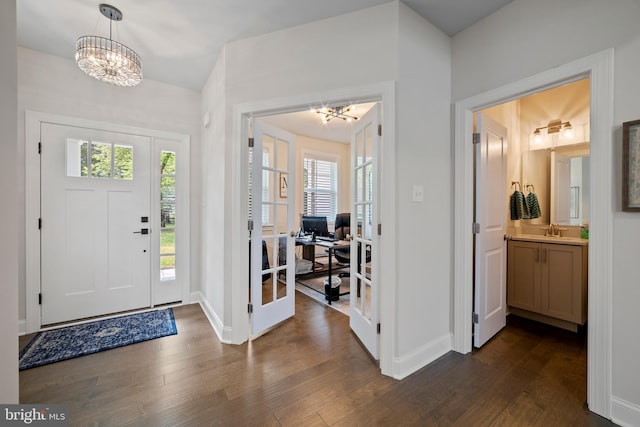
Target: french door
{"type": "Point", "coordinates": [95, 210]}
{"type": "Point", "coordinates": [272, 237]}
{"type": "Point", "coordinates": [363, 279]}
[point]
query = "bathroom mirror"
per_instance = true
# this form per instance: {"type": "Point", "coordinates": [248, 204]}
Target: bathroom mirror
{"type": "Point", "coordinates": [560, 179]}
{"type": "Point", "coordinates": [569, 194]}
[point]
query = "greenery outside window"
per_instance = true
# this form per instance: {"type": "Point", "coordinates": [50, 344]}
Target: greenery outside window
{"type": "Point", "coordinates": [167, 215]}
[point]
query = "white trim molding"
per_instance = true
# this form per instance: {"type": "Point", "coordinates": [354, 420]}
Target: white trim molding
{"type": "Point", "coordinates": [624, 413]}
{"type": "Point", "coordinates": [599, 68]}
{"type": "Point", "coordinates": [33, 121]}
{"type": "Point", "coordinates": [224, 333]}
{"type": "Point", "coordinates": [421, 357]}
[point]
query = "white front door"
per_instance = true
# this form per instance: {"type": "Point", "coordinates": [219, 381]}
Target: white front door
{"type": "Point", "coordinates": [490, 302]}
{"type": "Point", "coordinates": [272, 238]}
{"type": "Point", "coordinates": [95, 196]}
{"type": "Point", "coordinates": [364, 292]}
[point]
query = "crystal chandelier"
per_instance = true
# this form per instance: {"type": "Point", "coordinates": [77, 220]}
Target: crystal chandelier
{"type": "Point", "coordinates": [106, 59]}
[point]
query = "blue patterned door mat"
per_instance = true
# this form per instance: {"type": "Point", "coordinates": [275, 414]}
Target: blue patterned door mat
{"type": "Point", "coordinates": [79, 340]}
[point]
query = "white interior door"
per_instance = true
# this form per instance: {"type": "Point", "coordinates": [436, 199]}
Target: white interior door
{"type": "Point", "coordinates": [272, 238]}
{"type": "Point", "coordinates": [95, 192]}
{"type": "Point", "coordinates": [364, 292]}
{"type": "Point", "coordinates": [560, 188]}
{"type": "Point", "coordinates": [490, 248]}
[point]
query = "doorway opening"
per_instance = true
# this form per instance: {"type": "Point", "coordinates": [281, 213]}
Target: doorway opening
{"type": "Point", "coordinates": [277, 222]}
{"type": "Point", "coordinates": [542, 192]}
{"type": "Point", "coordinates": [322, 191]}
{"type": "Point", "coordinates": [542, 213]}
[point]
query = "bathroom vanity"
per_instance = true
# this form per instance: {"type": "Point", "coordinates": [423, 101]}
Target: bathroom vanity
{"type": "Point", "coordinates": [547, 279]}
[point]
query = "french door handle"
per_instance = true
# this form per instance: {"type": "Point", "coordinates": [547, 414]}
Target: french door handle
{"type": "Point", "coordinates": [142, 231]}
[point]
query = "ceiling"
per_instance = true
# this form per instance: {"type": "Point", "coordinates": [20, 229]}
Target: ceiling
{"type": "Point", "coordinates": [309, 123]}
{"type": "Point", "coordinates": [179, 41]}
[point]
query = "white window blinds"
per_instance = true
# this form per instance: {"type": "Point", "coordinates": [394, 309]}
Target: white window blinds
{"type": "Point", "coordinates": [320, 188]}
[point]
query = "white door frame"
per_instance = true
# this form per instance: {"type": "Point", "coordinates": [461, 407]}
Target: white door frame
{"type": "Point", "coordinates": [384, 92]}
{"type": "Point", "coordinates": [599, 68]}
{"type": "Point", "coordinates": [33, 320]}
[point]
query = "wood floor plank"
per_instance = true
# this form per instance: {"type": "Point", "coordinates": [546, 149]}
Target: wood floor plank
{"type": "Point", "coordinates": [312, 371]}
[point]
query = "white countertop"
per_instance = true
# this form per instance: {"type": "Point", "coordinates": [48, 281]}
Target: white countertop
{"type": "Point", "coordinates": [576, 241]}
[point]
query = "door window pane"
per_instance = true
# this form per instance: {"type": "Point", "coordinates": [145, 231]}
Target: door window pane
{"type": "Point", "coordinates": [167, 215]}
{"type": "Point", "coordinates": [100, 160]}
{"type": "Point", "coordinates": [122, 162]}
{"type": "Point", "coordinates": [77, 157]}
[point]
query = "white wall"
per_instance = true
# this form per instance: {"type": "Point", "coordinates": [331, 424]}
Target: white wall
{"type": "Point", "coordinates": [274, 66]}
{"type": "Point", "coordinates": [213, 197]}
{"type": "Point", "coordinates": [9, 211]}
{"type": "Point", "coordinates": [424, 157]}
{"type": "Point", "coordinates": [65, 90]}
{"type": "Point", "coordinates": [525, 38]}
{"type": "Point", "coordinates": [380, 44]}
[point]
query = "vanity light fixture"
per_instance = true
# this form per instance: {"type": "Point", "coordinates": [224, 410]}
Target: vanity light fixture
{"type": "Point", "coordinates": [106, 59]}
{"type": "Point", "coordinates": [563, 129]}
{"type": "Point", "coordinates": [556, 126]}
{"type": "Point", "coordinates": [329, 113]}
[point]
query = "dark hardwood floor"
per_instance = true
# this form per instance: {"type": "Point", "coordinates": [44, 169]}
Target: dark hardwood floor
{"type": "Point", "coordinates": [311, 371]}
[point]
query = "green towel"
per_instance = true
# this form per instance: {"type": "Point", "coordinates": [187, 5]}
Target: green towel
{"type": "Point", "coordinates": [533, 205]}
{"type": "Point", "coordinates": [519, 208]}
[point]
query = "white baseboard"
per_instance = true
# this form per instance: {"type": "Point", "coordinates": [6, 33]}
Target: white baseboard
{"type": "Point", "coordinates": [623, 413]}
{"type": "Point", "coordinates": [407, 365]}
{"type": "Point", "coordinates": [223, 333]}
{"type": "Point", "coordinates": [22, 327]}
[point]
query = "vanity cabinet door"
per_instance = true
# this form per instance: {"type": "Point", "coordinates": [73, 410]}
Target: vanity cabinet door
{"type": "Point", "coordinates": [561, 282]}
{"type": "Point", "coordinates": [523, 275]}
{"type": "Point", "coordinates": [548, 280]}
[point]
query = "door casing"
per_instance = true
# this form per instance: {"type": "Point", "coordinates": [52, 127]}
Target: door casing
{"type": "Point", "coordinates": [33, 320]}
{"type": "Point", "coordinates": [599, 68]}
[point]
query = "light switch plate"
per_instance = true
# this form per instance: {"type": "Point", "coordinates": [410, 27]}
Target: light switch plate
{"type": "Point", "coordinates": [418, 193]}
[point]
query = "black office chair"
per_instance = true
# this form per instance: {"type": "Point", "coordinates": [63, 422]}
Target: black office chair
{"type": "Point", "coordinates": [265, 261]}
{"type": "Point", "coordinates": [342, 228]}
{"type": "Point", "coordinates": [343, 255]}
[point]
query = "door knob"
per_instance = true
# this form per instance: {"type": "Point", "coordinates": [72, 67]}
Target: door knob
{"type": "Point", "coordinates": [142, 231]}
{"type": "Point", "coordinates": [292, 233]}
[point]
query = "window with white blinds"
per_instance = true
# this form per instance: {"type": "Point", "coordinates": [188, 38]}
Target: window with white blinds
{"type": "Point", "coordinates": [320, 187]}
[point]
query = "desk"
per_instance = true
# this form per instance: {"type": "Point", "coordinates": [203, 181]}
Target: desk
{"type": "Point", "coordinates": [308, 250]}
{"type": "Point", "coordinates": [330, 246]}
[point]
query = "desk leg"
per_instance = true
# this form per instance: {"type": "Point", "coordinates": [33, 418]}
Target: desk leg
{"type": "Point", "coordinates": [329, 295]}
